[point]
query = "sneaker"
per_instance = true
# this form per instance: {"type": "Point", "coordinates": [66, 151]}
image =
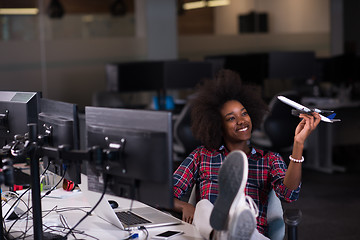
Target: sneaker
{"type": "Point", "coordinates": [231, 210]}
{"type": "Point", "coordinates": [232, 181]}
{"type": "Point", "coordinates": [243, 223]}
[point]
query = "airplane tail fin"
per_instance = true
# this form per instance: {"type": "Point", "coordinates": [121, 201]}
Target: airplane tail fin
{"type": "Point", "coordinates": [331, 116]}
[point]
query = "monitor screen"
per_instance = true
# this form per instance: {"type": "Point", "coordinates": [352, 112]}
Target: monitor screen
{"type": "Point", "coordinates": [292, 65]}
{"type": "Point", "coordinates": [138, 162]}
{"type": "Point", "coordinates": [58, 124]}
{"type": "Point", "coordinates": [134, 76]}
{"type": "Point", "coordinates": [156, 75]}
{"type": "Point", "coordinates": [256, 67]}
{"type": "Point", "coordinates": [17, 110]}
{"type": "Point", "coordinates": [186, 74]}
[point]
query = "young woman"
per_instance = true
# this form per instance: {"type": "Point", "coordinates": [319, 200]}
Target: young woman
{"type": "Point", "coordinates": [224, 113]}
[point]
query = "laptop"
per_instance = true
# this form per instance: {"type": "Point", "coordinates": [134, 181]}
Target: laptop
{"type": "Point", "coordinates": [149, 216]}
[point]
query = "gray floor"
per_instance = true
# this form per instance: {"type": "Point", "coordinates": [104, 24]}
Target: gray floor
{"type": "Point", "coordinates": [330, 204]}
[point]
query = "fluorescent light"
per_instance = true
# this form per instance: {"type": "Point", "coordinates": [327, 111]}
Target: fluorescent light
{"type": "Point", "coordinates": [19, 11]}
{"type": "Point", "coordinates": [194, 5]}
{"type": "Point", "coordinates": [205, 3]}
{"type": "Point", "coordinates": [218, 3]}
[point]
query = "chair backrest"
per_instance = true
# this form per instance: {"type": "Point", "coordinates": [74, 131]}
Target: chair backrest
{"type": "Point", "coordinates": [275, 217]}
{"type": "Point", "coordinates": [182, 131]}
{"type": "Point", "coordinates": [280, 125]}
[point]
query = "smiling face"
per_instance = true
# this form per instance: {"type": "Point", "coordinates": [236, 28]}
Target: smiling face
{"type": "Point", "coordinates": [236, 122]}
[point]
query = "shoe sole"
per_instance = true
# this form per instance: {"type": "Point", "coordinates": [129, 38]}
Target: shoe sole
{"type": "Point", "coordinates": [232, 181]}
{"type": "Point", "coordinates": [243, 226]}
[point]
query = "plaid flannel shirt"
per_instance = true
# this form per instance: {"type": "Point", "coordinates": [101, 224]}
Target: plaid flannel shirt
{"type": "Point", "coordinates": [266, 172]}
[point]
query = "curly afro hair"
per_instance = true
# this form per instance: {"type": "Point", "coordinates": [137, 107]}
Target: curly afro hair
{"type": "Point", "coordinates": [211, 96]}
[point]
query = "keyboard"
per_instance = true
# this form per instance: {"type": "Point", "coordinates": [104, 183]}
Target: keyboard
{"type": "Point", "coordinates": [130, 218]}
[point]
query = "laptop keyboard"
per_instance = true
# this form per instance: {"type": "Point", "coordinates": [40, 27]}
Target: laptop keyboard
{"type": "Point", "coordinates": [130, 218]}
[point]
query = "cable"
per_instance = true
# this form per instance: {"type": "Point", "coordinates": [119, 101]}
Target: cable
{"type": "Point", "coordinates": [27, 218]}
{"type": "Point", "coordinates": [7, 197]}
{"type": "Point", "coordinates": [47, 193]}
{"type": "Point", "coordinates": [63, 221]}
{"type": "Point", "coordinates": [19, 198]}
{"type": "Point", "coordinates": [12, 206]}
{"type": "Point", "coordinates": [56, 229]}
{"type": "Point", "coordinates": [142, 228]}
{"type": "Point", "coordinates": [55, 186]}
{"type": "Point", "coordinates": [88, 213]}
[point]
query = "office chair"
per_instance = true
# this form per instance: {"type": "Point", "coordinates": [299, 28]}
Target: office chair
{"type": "Point", "coordinates": [185, 142]}
{"type": "Point", "coordinates": [278, 128]}
{"type": "Point", "coordinates": [277, 135]}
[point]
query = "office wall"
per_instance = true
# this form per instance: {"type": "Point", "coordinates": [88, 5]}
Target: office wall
{"type": "Point", "coordinates": [284, 16]}
{"type": "Point", "coordinates": [74, 68]}
{"type": "Point", "coordinates": [196, 47]}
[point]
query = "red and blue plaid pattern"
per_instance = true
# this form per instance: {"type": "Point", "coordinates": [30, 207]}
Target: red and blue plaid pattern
{"type": "Point", "coordinates": [266, 172]}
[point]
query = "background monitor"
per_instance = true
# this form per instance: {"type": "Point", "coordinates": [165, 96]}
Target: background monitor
{"type": "Point", "coordinates": [186, 74]}
{"type": "Point", "coordinates": [58, 124]}
{"type": "Point", "coordinates": [156, 75]}
{"type": "Point", "coordinates": [256, 67]}
{"type": "Point", "coordinates": [17, 110]}
{"type": "Point", "coordinates": [140, 168]}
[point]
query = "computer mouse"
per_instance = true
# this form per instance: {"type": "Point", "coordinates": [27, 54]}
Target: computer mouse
{"type": "Point", "coordinates": [113, 204]}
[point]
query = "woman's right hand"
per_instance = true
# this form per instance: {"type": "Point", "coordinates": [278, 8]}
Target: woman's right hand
{"type": "Point", "coordinates": [186, 209]}
{"type": "Point", "coordinates": [306, 126]}
{"type": "Point", "coordinates": [188, 213]}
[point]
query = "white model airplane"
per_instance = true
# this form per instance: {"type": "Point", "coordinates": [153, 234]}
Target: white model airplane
{"type": "Point", "coordinates": [302, 109]}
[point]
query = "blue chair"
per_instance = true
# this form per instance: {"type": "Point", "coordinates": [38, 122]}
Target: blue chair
{"type": "Point", "coordinates": [275, 217]}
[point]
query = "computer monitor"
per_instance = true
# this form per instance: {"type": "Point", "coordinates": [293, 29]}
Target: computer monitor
{"type": "Point", "coordinates": [156, 75]}
{"type": "Point", "coordinates": [138, 146]}
{"type": "Point", "coordinates": [17, 110]}
{"type": "Point", "coordinates": [186, 74]}
{"type": "Point", "coordinates": [256, 67]}
{"type": "Point", "coordinates": [58, 124]}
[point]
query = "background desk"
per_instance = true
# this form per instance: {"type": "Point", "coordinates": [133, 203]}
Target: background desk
{"type": "Point", "coordinates": [319, 146]}
{"type": "Point", "coordinates": [94, 226]}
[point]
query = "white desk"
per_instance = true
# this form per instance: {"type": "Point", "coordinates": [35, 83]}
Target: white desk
{"type": "Point", "coordinates": [320, 143]}
{"type": "Point", "coordinates": [94, 226]}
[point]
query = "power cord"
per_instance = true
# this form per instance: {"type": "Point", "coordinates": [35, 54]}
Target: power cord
{"type": "Point", "coordinates": [91, 210]}
{"type": "Point", "coordinates": [47, 193]}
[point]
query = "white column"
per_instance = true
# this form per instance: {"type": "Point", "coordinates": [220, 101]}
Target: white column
{"type": "Point", "coordinates": [156, 20]}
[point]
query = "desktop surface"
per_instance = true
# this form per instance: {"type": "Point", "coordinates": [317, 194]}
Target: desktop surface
{"type": "Point", "coordinates": [61, 205]}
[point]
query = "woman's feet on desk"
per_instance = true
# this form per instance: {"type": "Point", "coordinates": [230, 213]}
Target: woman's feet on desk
{"type": "Point", "coordinates": [234, 214]}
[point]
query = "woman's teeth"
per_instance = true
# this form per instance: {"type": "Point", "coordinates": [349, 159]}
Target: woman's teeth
{"type": "Point", "coordinates": [243, 129]}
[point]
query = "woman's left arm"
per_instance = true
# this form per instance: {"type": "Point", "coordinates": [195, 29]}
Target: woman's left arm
{"type": "Point", "coordinates": [303, 130]}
